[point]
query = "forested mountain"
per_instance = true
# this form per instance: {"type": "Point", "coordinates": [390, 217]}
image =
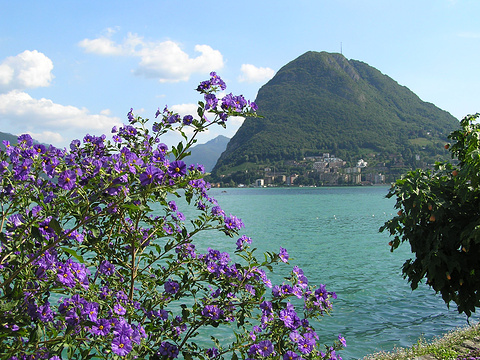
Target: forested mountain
{"type": "Point", "coordinates": [207, 154]}
{"type": "Point", "coordinates": [323, 103]}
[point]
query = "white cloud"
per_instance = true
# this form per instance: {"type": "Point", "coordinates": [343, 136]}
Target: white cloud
{"type": "Point", "coordinates": [48, 119]}
{"type": "Point", "coordinates": [165, 61]}
{"type": "Point", "coordinates": [6, 74]}
{"type": "Point", "coordinates": [47, 137]}
{"type": "Point", "coordinates": [104, 45]}
{"type": "Point", "coordinates": [30, 69]}
{"type": "Point", "coordinates": [236, 121]}
{"type": "Point", "coordinates": [251, 73]}
{"type": "Point", "coordinates": [184, 109]}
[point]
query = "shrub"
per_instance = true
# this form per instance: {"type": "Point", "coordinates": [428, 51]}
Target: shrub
{"type": "Point", "coordinates": [98, 261]}
{"type": "Point", "coordinates": [439, 215]}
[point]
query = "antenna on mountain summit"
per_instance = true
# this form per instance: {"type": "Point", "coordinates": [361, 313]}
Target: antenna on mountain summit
{"type": "Point", "coordinates": [341, 52]}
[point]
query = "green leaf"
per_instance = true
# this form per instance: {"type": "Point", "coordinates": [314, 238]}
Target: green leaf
{"type": "Point", "coordinates": [74, 254]}
{"type": "Point", "coordinates": [55, 226]}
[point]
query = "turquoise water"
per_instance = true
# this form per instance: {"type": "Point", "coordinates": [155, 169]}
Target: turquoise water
{"type": "Point", "coordinates": [332, 234]}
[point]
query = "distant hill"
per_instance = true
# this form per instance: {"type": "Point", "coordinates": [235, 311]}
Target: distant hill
{"type": "Point", "coordinates": [9, 137]}
{"type": "Point", "coordinates": [323, 103]}
{"type": "Point", "coordinates": [207, 154]}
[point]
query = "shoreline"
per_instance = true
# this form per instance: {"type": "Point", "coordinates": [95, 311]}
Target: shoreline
{"type": "Point", "coordinates": [459, 343]}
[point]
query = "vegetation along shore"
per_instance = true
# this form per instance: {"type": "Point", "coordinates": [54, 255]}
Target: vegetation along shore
{"type": "Point", "coordinates": [461, 343]}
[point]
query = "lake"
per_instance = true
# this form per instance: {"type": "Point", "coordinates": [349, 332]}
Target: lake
{"type": "Point", "coordinates": [332, 234]}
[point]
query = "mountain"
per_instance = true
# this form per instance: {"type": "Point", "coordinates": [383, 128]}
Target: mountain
{"type": "Point", "coordinates": [8, 137]}
{"type": "Point", "coordinates": [323, 103]}
{"type": "Point", "coordinates": [207, 154]}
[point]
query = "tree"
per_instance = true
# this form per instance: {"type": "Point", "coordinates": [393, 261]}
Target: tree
{"type": "Point", "coordinates": [439, 215]}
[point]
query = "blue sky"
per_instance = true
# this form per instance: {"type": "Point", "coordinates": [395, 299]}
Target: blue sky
{"type": "Point", "coordinates": [68, 68]}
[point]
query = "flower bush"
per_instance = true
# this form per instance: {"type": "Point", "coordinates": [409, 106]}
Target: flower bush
{"type": "Point", "coordinates": [98, 262]}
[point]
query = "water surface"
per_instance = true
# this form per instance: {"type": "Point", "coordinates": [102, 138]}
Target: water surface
{"type": "Point", "coordinates": [332, 234]}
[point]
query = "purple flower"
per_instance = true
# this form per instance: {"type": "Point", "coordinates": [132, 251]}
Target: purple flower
{"type": "Point", "coordinates": [173, 119]}
{"type": "Point", "coordinates": [217, 211]}
{"type": "Point", "coordinates": [3, 166]}
{"type": "Point", "coordinates": [102, 327]}
{"type": "Point", "coordinates": [211, 101]}
{"type": "Point", "coordinates": [283, 255]}
{"type": "Point", "coordinates": [290, 318]}
{"type": "Point", "coordinates": [130, 116]}
{"type": "Point", "coordinates": [23, 170]}
{"type": "Point", "coordinates": [295, 336]}
{"type": "Point", "coordinates": [177, 168]}
{"type": "Point", "coordinates": [106, 268]}
{"type": "Point", "coordinates": [169, 350]}
{"type": "Point", "coordinates": [342, 340]}
{"type": "Point", "coordinates": [122, 327]}
{"type": "Point", "coordinates": [290, 355]}
{"type": "Point", "coordinates": [204, 86]}
{"type": "Point", "coordinates": [187, 119]}
{"type": "Point", "coordinates": [128, 130]}
{"type": "Point", "coordinates": [121, 345]}
{"type": "Point", "coordinates": [172, 205]}
{"type": "Point", "coordinates": [243, 240]}
{"type": "Point", "coordinates": [91, 311]}
{"type": "Point", "coordinates": [150, 175]}
{"type": "Point", "coordinates": [161, 314]}
{"type": "Point", "coordinates": [66, 180]}
{"type": "Point", "coordinates": [15, 220]}
{"type": "Point", "coordinates": [235, 103]}
{"type": "Point", "coordinates": [233, 223]}
{"type": "Point", "coordinates": [286, 289]}
{"type": "Point", "coordinates": [212, 352]}
{"type": "Point", "coordinates": [75, 235]}
{"type": "Point", "coordinates": [163, 148]}
{"type": "Point", "coordinates": [250, 289]}
{"type": "Point", "coordinates": [212, 311]}
{"type": "Point", "coordinates": [66, 277]}
{"type": "Point", "coordinates": [306, 345]}
{"type": "Point", "coordinates": [265, 348]}
{"type": "Point", "coordinates": [179, 216]}
{"type": "Point", "coordinates": [216, 80]}
{"type": "Point", "coordinates": [302, 281]}
{"type": "Point", "coordinates": [321, 293]}
{"type": "Point", "coordinates": [266, 307]}
{"type": "Point", "coordinates": [171, 287]}
{"type": "Point", "coordinates": [119, 309]}
{"type": "Point", "coordinates": [45, 312]}
{"type": "Point", "coordinates": [25, 141]}
{"type": "Point", "coordinates": [158, 156]}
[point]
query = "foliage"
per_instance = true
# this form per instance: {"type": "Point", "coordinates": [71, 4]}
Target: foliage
{"type": "Point", "coordinates": [456, 344]}
{"type": "Point", "coordinates": [439, 215]}
{"type": "Point", "coordinates": [98, 261]}
{"type": "Point", "coordinates": [324, 103]}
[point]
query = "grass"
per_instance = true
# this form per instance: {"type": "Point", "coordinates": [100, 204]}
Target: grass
{"type": "Point", "coordinates": [447, 347]}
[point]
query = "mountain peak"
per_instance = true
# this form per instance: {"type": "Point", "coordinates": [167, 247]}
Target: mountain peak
{"type": "Point", "coordinates": [324, 103]}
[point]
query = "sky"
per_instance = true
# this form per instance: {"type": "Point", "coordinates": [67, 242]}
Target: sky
{"type": "Point", "coordinates": [68, 68]}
